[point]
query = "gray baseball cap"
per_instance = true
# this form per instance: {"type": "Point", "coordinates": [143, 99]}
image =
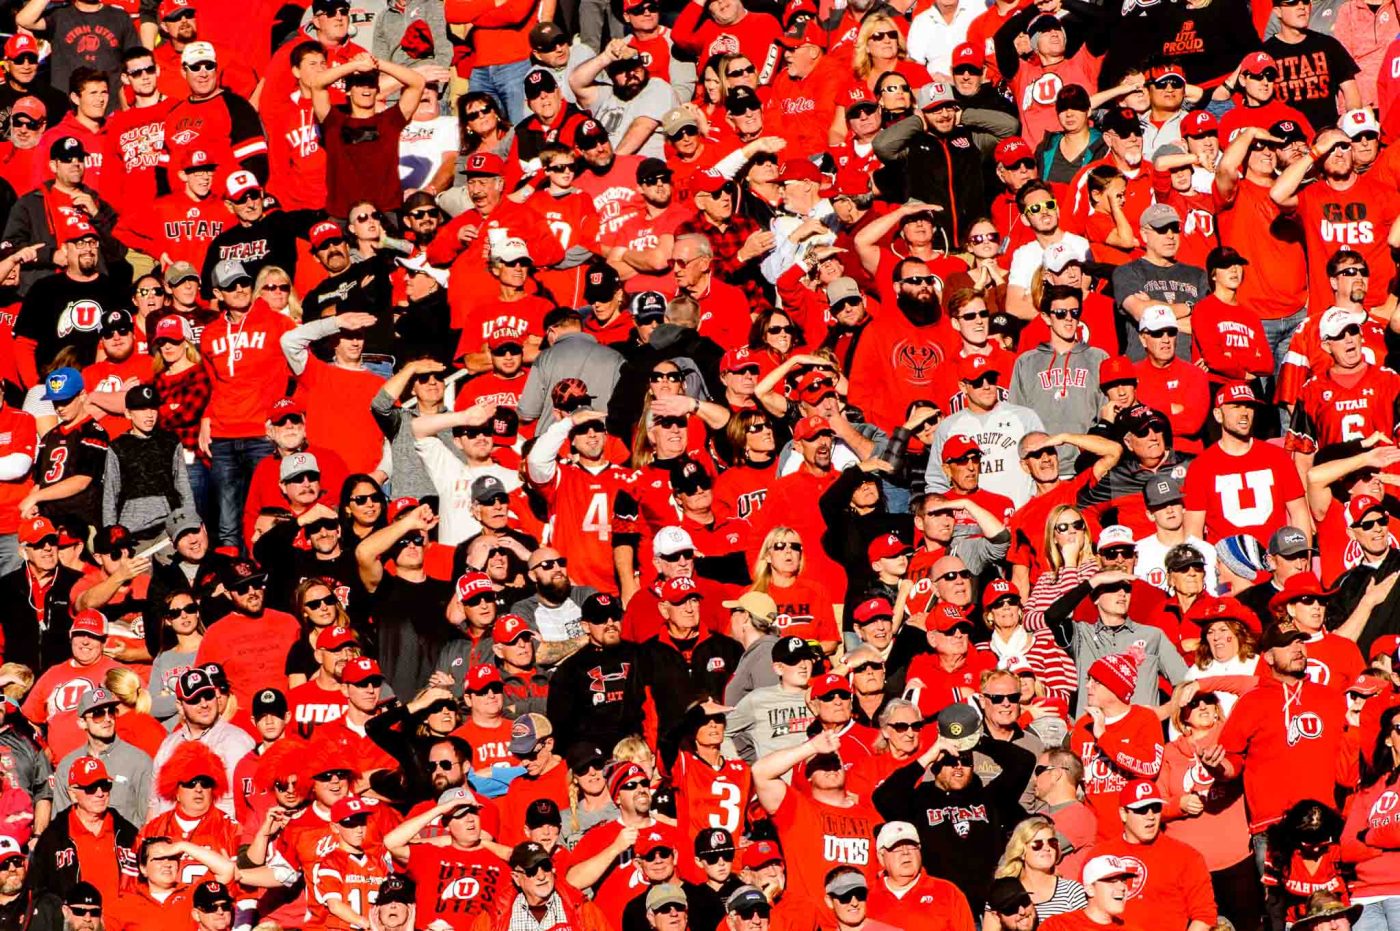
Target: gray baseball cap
{"type": "Point", "coordinates": [1159, 492]}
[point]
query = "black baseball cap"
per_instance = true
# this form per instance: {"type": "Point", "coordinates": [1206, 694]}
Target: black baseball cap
{"type": "Point", "coordinates": [714, 840]}
{"type": "Point", "coordinates": [600, 607]}
{"type": "Point", "coordinates": [83, 893]}
{"type": "Point", "coordinates": [792, 650]}
{"type": "Point", "coordinates": [142, 398]}
{"type": "Point", "coordinates": [269, 701]}
{"type": "Point", "coordinates": [542, 812]}
{"type": "Point", "coordinates": [580, 755]}
{"type": "Point", "coordinates": [397, 888]}
{"type": "Point", "coordinates": [648, 306]}
{"type": "Point", "coordinates": [211, 893]}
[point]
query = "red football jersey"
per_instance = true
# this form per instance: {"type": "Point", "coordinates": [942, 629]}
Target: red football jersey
{"type": "Point", "coordinates": [1334, 410]}
{"type": "Point", "coordinates": [1307, 359]}
{"type": "Point", "coordinates": [582, 505]}
{"type": "Point", "coordinates": [351, 878]}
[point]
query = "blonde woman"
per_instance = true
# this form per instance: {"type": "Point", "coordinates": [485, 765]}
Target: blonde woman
{"type": "Point", "coordinates": [134, 722]}
{"type": "Point", "coordinates": [589, 802]}
{"type": "Point", "coordinates": [1072, 561]}
{"type": "Point", "coordinates": [880, 48]}
{"type": "Point", "coordinates": [1031, 856]}
{"type": "Point", "coordinates": [274, 286]}
{"type": "Point", "coordinates": [804, 602]}
{"type": "Point", "coordinates": [182, 384]}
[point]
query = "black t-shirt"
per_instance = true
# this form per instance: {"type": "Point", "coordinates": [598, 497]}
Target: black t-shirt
{"type": "Point", "coordinates": [269, 240]}
{"type": "Point", "coordinates": [59, 311]}
{"type": "Point", "coordinates": [412, 626]}
{"type": "Point", "coordinates": [95, 39]}
{"type": "Point", "coordinates": [1310, 73]}
{"type": "Point", "coordinates": [363, 287]}
{"type": "Point", "coordinates": [68, 452]}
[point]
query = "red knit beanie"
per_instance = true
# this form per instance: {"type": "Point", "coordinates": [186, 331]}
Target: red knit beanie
{"type": "Point", "coordinates": [1118, 672]}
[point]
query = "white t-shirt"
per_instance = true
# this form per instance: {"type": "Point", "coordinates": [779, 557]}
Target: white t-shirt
{"type": "Point", "coordinates": [422, 144]}
{"type": "Point", "coordinates": [997, 434]}
{"type": "Point", "coordinates": [1026, 259]}
{"type": "Point", "coordinates": [1152, 560]}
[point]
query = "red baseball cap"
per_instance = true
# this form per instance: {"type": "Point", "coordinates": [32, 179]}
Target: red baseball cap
{"type": "Point", "coordinates": [998, 589]}
{"type": "Point", "coordinates": [359, 670]}
{"type": "Point", "coordinates": [872, 608]}
{"type": "Point", "coordinates": [1256, 62]}
{"type": "Point", "coordinates": [809, 32]}
{"type": "Point", "coordinates": [21, 43]}
{"type": "Point", "coordinates": [169, 8]}
{"type": "Point", "coordinates": [971, 368]}
{"type": "Point", "coordinates": [1199, 123]}
{"type": "Point", "coordinates": [1116, 369]}
{"type": "Point", "coordinates": [349, 807]}
{"type": "Point", "coordinates": [35, 529]}
{"type": "Point", "coordinates": [944, 617]}
{"type": "Point", "coordinates": [1138, 794]}
{"type": "Point", "coordinates": [31, 107]}
{"type": "Point", "coordinates": [799, 169]}
{"type": "Point", "coordinates": [810, 427]}
{"type": "Point", "coordinates": [283, 407]}
{"type": "Point", "coordinates": [324, 232]}
{"type": "Point", "coordinates": [89, 623]}
{"type": "Point", "coordinates": [471, 584]}
{"type": "Point", "coordinates": [1235, 393]}
{"type": "Point", "coordinates": [969, 54]}
{"type": "Point", "coordinates": [1370, 686]}
{"type": "Point", "coordinates": [484, 163]}
{"type": "Point", "coordinates": [509, 628]}
{"type": "Point", "coordinates": [334, 638]}
{"type": "Point", "coordinates": [75, 228]}
{"type": "Point", "coordinates": [680, 589]}
{"type": "Point", "coordinates": [959, 445]}
{"type": "Point", "coordinates": [657, 837]}
{"type": "Point", "coordinates": [1011, 150]}
{"type": "Point", "coordinates": [171, 327]}
{"type": "Point", "coordinates": [735, 359]}
{"type": "Point", "coordinates": [86, 770]}
{"type": "Point", "coordinates": [190, 159]}
{"type": "Point", "coordinates": [1359, 507]}
{"type": "Point", "coordinates": [887, 546]}
{"type": "Point", "coordinates": [399, 506]}
{"type": "Point", "coordinates": [1384, 646]}
{"type": "Point", "coordinates": [708, 181]}
{"type": "Point", "coordinates": [761, 854]}
{"type": "Point", "coordinates": [823, 686]}
{"type": "Point", "coordinates": [482, 677]}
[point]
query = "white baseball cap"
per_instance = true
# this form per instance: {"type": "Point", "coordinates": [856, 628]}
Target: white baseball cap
{"type": "Point", "coordinates": [510, 250]}
{"type": "Point", "coordinates": [670, 541]}
{"type": "Point", "coordinates": [895, 832]}
{"type": "Point", "coordinates": [1116, 535]}
{"type": "Point", "coordinates": [1100, 868]}
{"type": "Point", "coordinates": [196, 52]}
{"type": "Point", "coordinates": [1356, 122]}
{"type": "Point", "coordinates": [1157, 317]}
{"type": "Point", "coordinates": [1336, 319]}
{"type": "Point", "coordinates": [1059, 254]}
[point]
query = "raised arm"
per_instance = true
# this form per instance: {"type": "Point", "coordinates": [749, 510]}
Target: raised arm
{"type": "Point", "coordinates": [374, 546]}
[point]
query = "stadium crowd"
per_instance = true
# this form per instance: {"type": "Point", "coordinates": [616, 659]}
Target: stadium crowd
{"type": "Point", "coordinates": [699, 465]}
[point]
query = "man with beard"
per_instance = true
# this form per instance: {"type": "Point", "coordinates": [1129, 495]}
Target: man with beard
{"type": "Point", "coordinates": [357, 286]}
{"type": "Point", "coordinates": [1122, 133]}
{"type": "Point", "coordinates": [554, 610]}
{"type": "Point", "coordinates": [1039, 210]}
{"type": "Point", "coordinates": [466, 242]}
{"type": "Point", "coordinates": [15, 900]}
{"type": "Point", "coordinates": [252, 641]}
{"type": "Point", "coordinates": [1367, 206]}
{"type": "Point", "coordinates": [97, 716]}
{"type": "Point", "coordinates": [286, 427]}
{"type": "Point", "coordinates": [642, 245]}
{"type": "Point", "coordinates": [64, 309]}
{"type": "Point", "coordinates": [197, 703]}
{"type": "Point", "coordinates": [551, 117]}
{"type": "Point", "coordinates": [574, 705]}
{"type": "Point", "coordinates": [940, 158]}
{"type": "Point", "coordinates": [631, 106]}
{"type": "Point", "coordinates": [999, 427]}
{"type": "Point", "coordinates": [608, 178]}
{"type": "Point", "coordinates": [321, 699]}
{"type": "Point", "coordinates": [608, 858]}
{"type": "Point", "coordinates": [901, 348]}
{"type": "Point", "coordinates": [1242, 485]}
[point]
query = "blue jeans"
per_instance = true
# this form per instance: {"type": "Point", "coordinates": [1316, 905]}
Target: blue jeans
{"type": "Point", "coordinates": [201, 484]}
{"type": "Point", "coordinates": [1380, 916]}
{"type": "Point", "coordinates": [1280, 332]}
{"type": "Point", "coordinates": [233, 464]}
{"type": "Point", "coordinates": [506, 83]}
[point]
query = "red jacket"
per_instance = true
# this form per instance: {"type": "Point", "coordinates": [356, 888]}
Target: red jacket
{"type": "Point", "coordinates": [1371, 840]}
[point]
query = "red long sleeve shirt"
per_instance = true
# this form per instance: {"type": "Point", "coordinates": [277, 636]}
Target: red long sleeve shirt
{"type": "Point", "coordinates": [1172, 888]}
{"type": "Point", "coordinates": [1130, 748]}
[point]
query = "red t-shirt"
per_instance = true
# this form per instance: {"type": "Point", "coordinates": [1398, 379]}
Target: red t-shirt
{"type": "Point", "coordinates": [804, 610]}
{"type": "Point", "coordinates": [252, 651]}
{"type": "Point", "coordinates": [337, 412]}
{"type": "Point", "coordinates": [1242, 494]}
{"type": "Point", "coordinates": [1357, 218]}
{"type": "Point", "coordinates": [312, 705]}
{"type": "Point", "coordinates": [18, 436]}
{"type": "Point", "coordinates": [362, 159]}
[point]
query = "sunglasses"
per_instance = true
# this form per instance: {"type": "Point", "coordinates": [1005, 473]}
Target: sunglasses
{"type": "Point", "coordinates": [895, 89]}
{"type": "Point", "coordinates": [918, 280]}
{"type": "Point", "coordinates": [201, 66]}
{"type": "Point", "coordinates": [364, 217]}
{"type": "Point", "coordinates": [315, 604]}
{"type": "Point", "coordinates": [123, 330]}
{"type": "Point", "coordinates": [658, 854]}
{"type": "Point", "coordinates": [654, 180]}
{"type": "Point", "coordinates": [741, 72]}
{"type": "Point", "coordinates": [670, 908]}
{"type": "Point", "coordinates": [26, 59]}
{"type": "Point", "coordinates": [1151, 808]}
{"type": "Point", "coordinates": [677, 423]}
{"type": "Point", "coordinates": [173, 613]}
{"type": "Point", "coordinates": [371, 498]}
{"type": "Point", "coordinates": [477, 601]}
{"type": "Point", "coordinates": [1170, 82]}
{"type": "Point", "coordinates": [955, 574]}
{"type": "Point", "coordinates": [1372, 523]}
{"type": "Point", "coordinates": [786, 545]}
{"type": "Point", "coordinates": [277, 288]}
{"type": "Point", "coordinates": [24, 122]}
{"type": "Point", "coordinates": [1116, 587]}
{"type": "Point", "coordinates": [1145, 430]}
{"type": "Point", "coordinates": [1040, 843]}
{"type": "Point", "coordinates": [331, 775]}
{"type": "Point", "coordinates": [678, 556]}
{"type": "Point", "coordinates": [976, 239]}
{"type": "Point", "coordinates": [642, 9]}
{"type": "Point", "coordinates": [495, 688]}
{"type": "Point", "coordinates": [561, 562]}
{"type": "Point", "coordinates": [476, 114]}
{"type": "Point", "coordinates": [1118, 552]}
{"type": "Point", "coordinates": [330, 244]}
{"type": "Point", "coordinates": [199, 782]}
{"type": "Point", "coordinates": [243, 588]}
{"type": "Point", "coordinates": [673, 377]}
{"type": "Point", "coordinates": [538, 869]}
{"type": "Point", "coordinates": [101, 786]}
{"type": "Point", "coordinates": [323, 525]}
{"type": "Point", "coordinates": [1031, 210]}
{"type": "Point", "coordinates": [1001, 699]}
{"type": "Point", "coordinates": [777, 330]}
{"type": "Point", "coordinates": [102, 714]}
{"type": "Point", "coordinates": [1268, 74]}
{"type": "Point", "coordinates": [685, 132]}
{"type": "Point", "coordinates": [963, 760]}
{"type": "Point", "coordinates": [758, 427]}
{"type": "Point", "coordinates": [711, 859]}
{"type": "Point", "coordinates": [216, 908]}
{"type": "Point", "coordinates": [1065, 313]}
{"type": "Point", "coordinates": [86, 911]}
{"type": "Point", "coordinates": [632, 785]}
{"type": "Point", "coordinates": [882, 36]}
{"type": "Point", "coordinates": [838, 695]}
{"type": "Point", "coordinates": [1042, 768]}
{"type": "Point", "coordinates": [1068, 525]}
{"type": "Point", "coordinates": [424, 213]}
{"type": "Point", "coordinates": [1161, 334]}
{"type": "Point", "coordinates": [855, 895]}
{"type": "Point", "coordinates": [508, 349]}
{"type": "Point", "coordinates": [748, 106]}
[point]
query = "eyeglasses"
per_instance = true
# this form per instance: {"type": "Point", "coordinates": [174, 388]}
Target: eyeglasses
{"type": "Point", "coordinates": [673, 377]}
{"type": "Point", "coordinates": [315, 604]}
{"type": "Point", "coordinates": [1268, 74]}
{"type": "Point", "coordinates": [955, 574]}
{"type": "Point", "coordinates": [917, 280]}
{"type": "Point", "coordinates": [561, 562]}
{"type": "Point", "coordinates": [882, 36]}
{"type": "Point", "coordinates": [976, 239]}
{"type": "Point", "coordinates": [1000, 699]}
{"type": "Point", "coordinates": [1068, 525]}
{"type": "Point", "coordinates": [1169, 83]}
{"type": "Point", "coordinates": [1063, 313]}
{"type": "Point", "coordinates": [677, 556]}
{"type": "Point", "coordinates": [198, 782]}
{"type": "Point", "coordinates": [741, 72]}
{"type": "Point", "coordinates": [1040, 843]}
{"type": "Point", "coordinates": [201, 66]}
{"type": "Point", "coordinates": [1031, 210]}
{"type": "Point", "coordinates": [782, 545]}
{"type": "Point", "coordinates": [1372, 523]}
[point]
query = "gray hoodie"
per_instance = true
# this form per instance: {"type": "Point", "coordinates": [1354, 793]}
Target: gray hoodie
{"type": "Point", "coordinates": [1062, 389]}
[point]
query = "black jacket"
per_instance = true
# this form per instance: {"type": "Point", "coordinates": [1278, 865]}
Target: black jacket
{"type": "Point", "coordinates": [598, 693]}
{"type": "Point", "coordinates": [54, 867]}
{"type": "Point", "coordinates": [943, 169]}
{"type": "Point", "coordinates": [668, 341]}
{"type": "Point", "coordinates": [848, 534]}
{"type": "Point", "coordinates": [962, 832]}
{"type": "Point", "coordinates": [1351, 585]}
{"type": "Point", "coordinates": [29, 223]}
{"type": "Point", "coordinates": [677, 682]}
{"type": "Point", "coordinates": [24, 641]}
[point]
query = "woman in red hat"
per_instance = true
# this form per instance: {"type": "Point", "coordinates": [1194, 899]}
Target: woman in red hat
{"type": "Point", "coordinates": [1333, 660]}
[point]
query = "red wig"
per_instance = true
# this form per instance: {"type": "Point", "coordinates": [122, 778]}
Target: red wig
{"type": "Point", "coordinates": [322, 756]}
{"type": "Point", "coordinates": [281, 760]}
{"type": "Point", "coordinates": [189, 760]}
